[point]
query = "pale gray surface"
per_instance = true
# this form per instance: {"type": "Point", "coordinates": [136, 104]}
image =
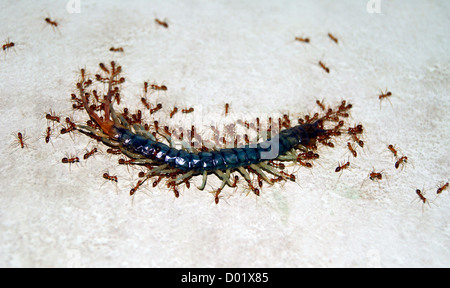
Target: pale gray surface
{"type": "Point", "coordinates": [244, 54]}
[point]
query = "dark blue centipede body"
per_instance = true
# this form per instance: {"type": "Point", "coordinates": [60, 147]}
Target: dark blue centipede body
{"type": "Point", "coordinates": [223, 159]}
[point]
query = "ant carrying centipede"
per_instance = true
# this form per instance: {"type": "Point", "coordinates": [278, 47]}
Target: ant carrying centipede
{"type": "Point", "coordinates": [150, 145]}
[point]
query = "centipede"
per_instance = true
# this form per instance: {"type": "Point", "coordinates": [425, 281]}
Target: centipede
{"type": "Point", "coordinates": [160, 159]}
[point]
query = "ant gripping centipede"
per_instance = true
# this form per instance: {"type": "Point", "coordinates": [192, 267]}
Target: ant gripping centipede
{"type": "Point", "coordinates": [177, 165]}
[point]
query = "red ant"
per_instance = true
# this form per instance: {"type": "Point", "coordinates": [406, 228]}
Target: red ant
{"type": "Point", "coordinates": [174, 188]}
{"type": "Point", "coordinates": [8, 45]}
{"type": "Point", "coordinates": [402, 160]}
{"type": "Point", "coordinates": [442, 188]}
{"type": "Point", "coordinates": [134, 189]}
{"type": "Point", "coordinates": [114, 151]}
{"type": "Point", "coordinates": [333, 38]}
{"type": "Point", "coordinates": [384, 95]}
{"type": "Point", "coordinates": [109, 177]}
{"type": "Point", "coordinates": [144, 101]}
{"type": "Point", "coordinates": [47, 135]}
{"type": "Point", "coordinates": [175, 110]}
{"type": "Point", "coordinates": [358, 129]}
{"type": "Point", "coordinates": [51, 22]}
{"type": "Point", "coordinates": [376, 175]}
{"type": "Point", "coordinates": [350, 147]}
{"type": "Point", "coordinates": [157, 108]}
{"type": "Point", "coordinates": [119, 49]}
{"type": "Point", "coordinates": [70, 160]}
{"type": "Point", "coordinates": [393, 150]}
{"type": "Point", "coordinates": [320, 105]}
{"type": "Point", "coordinates": [324, 67]}
{"type": "Point", "coordinates": [21, 140]}
{"type": "Point", "coordinates": [190, 110]}
{"type": "Point", "coordinates": [156, 87]}
{"type": "Point", "coordinates": [342, 167]}
{"type": "Point", "coordinates": [52, 117]}
{"type": "Point", "coordinates": [300, 39]}
{"type": "Point", "coordinates": [89, 153]}
{"type": "Point", "coordinates": [227, 107]}
{"type": "Point", "coordinates": [162, 23]}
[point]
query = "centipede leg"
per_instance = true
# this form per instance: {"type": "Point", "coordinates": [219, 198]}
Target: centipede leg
{"type": "Point", "coordinates": [187, 147]}
{"type": "Point", "coordinates": [141, 130]}
{"type": "Point", "coordinates": [182, 177]}
{"type": "Point", "coordinates": [167, 137]}
{"type": "Point", "coordinates": [289, 156]}
{"type": "Point", "coordinates": [245, 174]}
{"type": "Point", "coordinates": [124, 122]}
{"type": "Point", "coordinates": [261, 173]}
{"type": "Point", "coordinates": [205, 177]}
{"type": "Point", "coordinates": [225, 177]}
{"type": "Point", "coordinates": [271, 170]}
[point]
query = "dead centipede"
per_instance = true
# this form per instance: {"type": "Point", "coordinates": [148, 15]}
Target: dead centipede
{"type": "Point", "coordinates": [132, 138]}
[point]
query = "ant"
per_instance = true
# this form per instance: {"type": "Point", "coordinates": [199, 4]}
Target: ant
{"type": "Point", "coordinates": [384, 95]}
{"type": "Point", "coordinates": [70, 160]}
{"type": "Point", "coordinates": [51, 22]}
{"type": "Point", "coordinates": [320, 103]}
{"type": "Point", "coordinates": [422, 198]}
{"type": "Point", "coordinates": [8, 45]}
{"type": "Point", "coordinates": [52, 117]}
{"type": "Point", "coordinates": [376, 175]}
{"type": "Point", "coordinates": [157, 108]}
{"type": "Point", "coordinates": [109, 177]}
{"type": "Point", "coordinates": [135, 188]}
{"type": "Point", "coordinates": [119, 49]}
{"type": "Point", "coordinates": [350, 147]}
{"type": "Point", "coordinates": [342, 167]}
{"type": "Point", "coordinates": [162, 23]}
{"type": "Point", "coordinates": [175, 110]}
{"type": "Point", "coordinates": [227, 107]}
{"type": "Point", "coordinates": [47, 134]}
{"type": "Point", "coordinates": [402, 160]}
{"type": "Point", "coordinates": [21, 140]}
{"type": "Point", "coordinates": [89, 153]}
{"type": "Point", "coordinates": [300, 39]}
{"type": "Point", "coordinates": [324, 67]}
{"type": "Point", "coordinates": [144, 101]}
{"type": "Point", "coordinates": [393, 150]}
{"type": "Point", "coordinates": [156, 87]}
{"type": "Point", "coordinates": [333, 38]}
{"type": "Point", "coordinates": [442, 188]}
{"type": "Point", "coordinates": [190, 110]}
